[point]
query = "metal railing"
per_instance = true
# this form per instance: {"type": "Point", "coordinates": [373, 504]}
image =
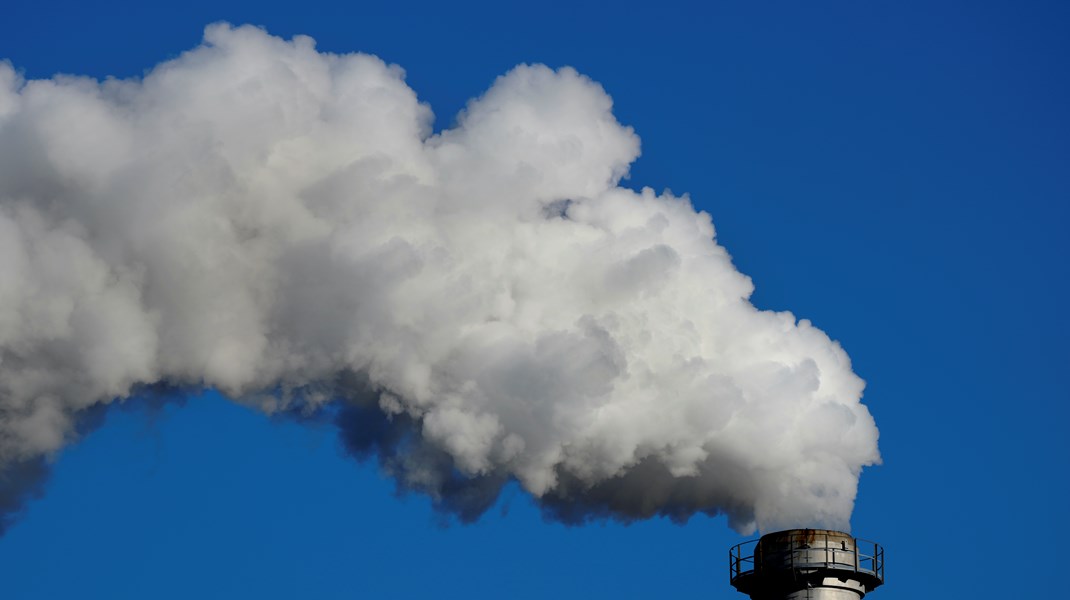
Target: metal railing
{"type": "Point", "coordinates": [738, 564]}
{"type": "Point", "coordinates": [809, 550]}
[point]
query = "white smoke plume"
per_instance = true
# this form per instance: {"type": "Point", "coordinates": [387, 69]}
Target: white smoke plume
{"type": "Point", "coordinates": [473, 307]}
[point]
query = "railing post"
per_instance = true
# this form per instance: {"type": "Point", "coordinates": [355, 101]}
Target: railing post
{"type": "Point", "coordinates": [881, 574]}
{"type": "Point", "coordinates": [856, 554]}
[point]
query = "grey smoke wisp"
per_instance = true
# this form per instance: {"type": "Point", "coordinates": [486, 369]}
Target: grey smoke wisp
{"type": "Point", "coordinates": [478, 306]}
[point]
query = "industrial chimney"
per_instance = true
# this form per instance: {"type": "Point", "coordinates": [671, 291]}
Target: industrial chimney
{"type": "Point", "coordinates": [811, 564]}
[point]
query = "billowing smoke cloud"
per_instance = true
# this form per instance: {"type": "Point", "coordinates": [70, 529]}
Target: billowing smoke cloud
{"type": "Point", "coordinates": [473, 307]}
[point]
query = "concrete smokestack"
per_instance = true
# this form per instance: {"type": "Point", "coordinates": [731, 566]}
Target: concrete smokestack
{"type": "Point", "coordinates": [812, 564]}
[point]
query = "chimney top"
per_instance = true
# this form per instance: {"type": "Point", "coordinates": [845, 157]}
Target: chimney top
{"type": "Point", "coordinates": [822, 563]}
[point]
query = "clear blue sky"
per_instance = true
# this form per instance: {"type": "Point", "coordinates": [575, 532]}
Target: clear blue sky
{"type": "Point", "coordinates": [897, 172]}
